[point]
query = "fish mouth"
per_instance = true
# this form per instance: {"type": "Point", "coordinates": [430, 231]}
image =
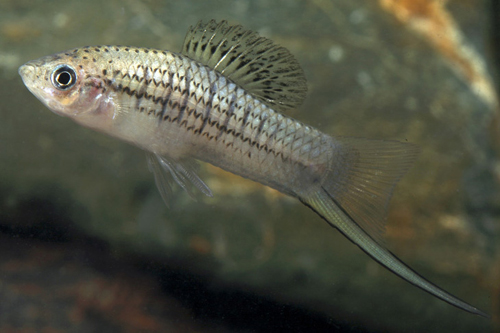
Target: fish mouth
{"type": "Point", "coordinates": [25, 69]}
{"type": "Point", "coordinates": [26, 72]}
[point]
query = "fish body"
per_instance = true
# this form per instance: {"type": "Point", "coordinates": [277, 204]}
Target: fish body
{"type": "Point", "coordinates": [219, 101]}
{"type": "Point", "coordinates": [173, 106]}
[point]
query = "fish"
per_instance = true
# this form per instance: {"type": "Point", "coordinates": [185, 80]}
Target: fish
{"type": "Point", "coordinates": [223, 100]}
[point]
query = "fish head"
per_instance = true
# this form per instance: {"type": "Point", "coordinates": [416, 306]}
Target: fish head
{"type": "Point", "coordinates": [69, 84]}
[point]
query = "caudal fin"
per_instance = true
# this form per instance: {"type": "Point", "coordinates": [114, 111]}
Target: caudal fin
{"type": "Point", "coordinates": [355, 199]}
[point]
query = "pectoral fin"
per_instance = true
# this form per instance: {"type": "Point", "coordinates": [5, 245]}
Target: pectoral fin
{"type": "Point", "coordinates": [166, 170]}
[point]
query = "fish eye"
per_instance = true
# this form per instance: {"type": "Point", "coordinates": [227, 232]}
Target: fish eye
{"type": "Point", "coordinates": [63, 77]}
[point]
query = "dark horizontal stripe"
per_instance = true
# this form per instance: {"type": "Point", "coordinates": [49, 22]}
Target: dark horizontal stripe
{"type": "Point", "coordinates": [166, 103]}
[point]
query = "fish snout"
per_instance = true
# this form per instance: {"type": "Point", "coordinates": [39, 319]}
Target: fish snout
{"type": "Point", "coordinates": [26, 72]}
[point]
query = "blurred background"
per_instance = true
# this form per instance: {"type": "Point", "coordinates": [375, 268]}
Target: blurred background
{"type": "Point", "coordinates": [86, 243]}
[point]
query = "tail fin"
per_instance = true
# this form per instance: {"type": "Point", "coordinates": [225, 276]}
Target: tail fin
{"type": "Point", "coordinates": [355, 199]}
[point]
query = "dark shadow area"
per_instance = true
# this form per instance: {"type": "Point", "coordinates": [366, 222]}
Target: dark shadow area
{"type": "Point", "coordinates": [40, 243]}
{"type": "Point", "coordinates": [238, 310]}
{"type": "Point", "coordinates": [43, 214]}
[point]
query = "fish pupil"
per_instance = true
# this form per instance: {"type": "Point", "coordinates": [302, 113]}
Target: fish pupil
{"type": "Point", "coordinates": [64, 77]}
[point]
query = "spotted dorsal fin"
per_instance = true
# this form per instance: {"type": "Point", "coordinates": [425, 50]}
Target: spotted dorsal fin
{"type": "Point", "coordinates": [267, 71]}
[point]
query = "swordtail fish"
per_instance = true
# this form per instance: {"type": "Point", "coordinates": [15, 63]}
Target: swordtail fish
{"type": "Point", "coordinates": [221, 101]}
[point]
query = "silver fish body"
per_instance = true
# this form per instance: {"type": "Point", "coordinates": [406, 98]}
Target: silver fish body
{"type": "Point", "coordinates": [171, 105]}
{"type": "Point", "coordinates": [219, 101]}
{"type": "Point", "coordinates": [203, 115]}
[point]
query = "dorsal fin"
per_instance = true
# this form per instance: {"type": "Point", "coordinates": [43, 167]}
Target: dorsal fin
{"type": "Point", "coordinates": [267, 71]}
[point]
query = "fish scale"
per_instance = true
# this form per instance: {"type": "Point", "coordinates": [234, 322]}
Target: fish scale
{"type": "Point", "coordinates": [221, 101]}
{"type": "Point", "coordinates": [209, 118]}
